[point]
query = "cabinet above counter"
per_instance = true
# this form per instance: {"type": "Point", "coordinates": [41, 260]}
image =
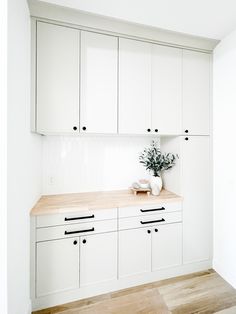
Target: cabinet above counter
{"type": "Point", "coordinates": [67, 203]}
{"type": "Point", "coordinates": [85, 82]}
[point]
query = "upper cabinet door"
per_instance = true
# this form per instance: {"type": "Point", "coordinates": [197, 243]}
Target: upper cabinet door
{"type": "Point", "coordinates": [99, 72]}
{"type": "Point", "coordinates": [57, 79]}
{"type": "Point", "coordinates": [196, 92]}
{"type": "Point", "coordinates": [134, 87]}
{"type": "Point", "coordinates": [166, 90]}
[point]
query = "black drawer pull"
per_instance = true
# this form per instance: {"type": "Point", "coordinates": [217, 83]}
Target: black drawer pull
{"type": "Point", "coordinates": [152, 221]}
{"type": "Point", "coordinates": [151, 210]}
{"type": "Point", "coordinates": [79, 231]}
{"type": "Point", "coordinates": [78, 218]}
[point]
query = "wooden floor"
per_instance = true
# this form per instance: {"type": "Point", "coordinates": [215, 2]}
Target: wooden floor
{"type": "Point", "coordinates": [203, 292]}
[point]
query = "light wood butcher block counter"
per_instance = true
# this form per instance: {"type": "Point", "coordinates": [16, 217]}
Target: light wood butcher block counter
{"type": "Point", "coordinates": [62, 203]}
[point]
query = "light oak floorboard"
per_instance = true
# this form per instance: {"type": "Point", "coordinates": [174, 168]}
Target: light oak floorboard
{"type": "Point", "coordinates": [198, 293]}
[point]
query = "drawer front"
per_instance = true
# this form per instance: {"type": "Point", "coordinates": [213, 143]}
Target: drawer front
{"type": "Point", "coordinates": [149, 209]}
{"type": "Point", "coordinates": [149, 220]}
{"type": "Point", "coordinates": [75, 230]}
{"type": "Point", "coordinates": [75, 217]}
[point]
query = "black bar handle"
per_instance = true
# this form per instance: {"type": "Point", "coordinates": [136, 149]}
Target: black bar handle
{"type": "Point", "coordinates": [152, 221]}
{"type": "Point", "coordinates": [79, 231]}
{"type": "Point", "coordinates": [151, 210]}
{"type": "Point", "coordinates": [78, 218]}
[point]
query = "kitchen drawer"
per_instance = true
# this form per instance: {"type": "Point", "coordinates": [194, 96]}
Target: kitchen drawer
{"type": "Point", "coordinates": [149, 220]}
{"type": "Point", "coordinates": [75, 217]}
{"type": "Point", "coordinates": [149, 209]}
{"type": "Point", "coordinates": [75, 230]}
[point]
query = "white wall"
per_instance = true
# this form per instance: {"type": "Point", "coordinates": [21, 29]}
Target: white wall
{"type": "Point", "coordinates": [24, 158]}
{"type": "Point", "coordinates": [3, 159]}
{"type": "Point", "coordinates": [87, 163]}
{"type": "Point", "coordinates": [224, 158]}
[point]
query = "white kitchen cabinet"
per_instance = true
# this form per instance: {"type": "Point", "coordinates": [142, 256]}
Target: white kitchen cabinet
{"type": "Point", "coordinates": [99, 73]}
{"type": "Point", "coordinates": [134, 252]}
{"type": "Point", "coordinates": [134, 87]}
{"type": "Point", "coordinates": [57, 266]}
{"type": "Point", "coordinates": [143, 250]}
{"type": "Point", "coordinates": [196, 92]}
{"type": "Point", "coordinates": [166, 90]}
{"type": "Point", "coordinates": [166, 246]}
{"type": "Point", "coordinates": [98, 258]}
{"type": "Point", "coordinates": [196, 191]}
{"type": "Point", "coordinates": [57, 81]}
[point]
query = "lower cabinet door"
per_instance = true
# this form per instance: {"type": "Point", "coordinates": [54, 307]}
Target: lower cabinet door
{"type": "Point", "coordinates": [166, 246]}
{"type": "Point", "coordinates": [98, 258]}
{"type": "Point", "coordinates": [57, 266]}
{"type": "Point", "coordinates": [134, 252]}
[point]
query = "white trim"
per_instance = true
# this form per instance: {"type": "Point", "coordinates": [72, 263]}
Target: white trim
{"type": "Point", "coordinates": [87, 21]}
{"type": "Point", "coordinates": [3, 157]}
{"type": "Point", "coordinates": [123, 283]}
{"type": "Point", "coordinates": [225, 273]}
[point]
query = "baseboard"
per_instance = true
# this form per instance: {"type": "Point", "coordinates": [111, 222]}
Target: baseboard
{"type": "Point", "coordinates": [115, 285]}
{"type": "Point", "coordinates": [29, 307]}
{"type": "Point", "coordinates": [225, 273]}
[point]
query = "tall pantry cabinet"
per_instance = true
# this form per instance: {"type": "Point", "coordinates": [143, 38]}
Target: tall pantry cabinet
{"type": "Point", "coordinates": [196, 163]}
{"type": "Point", "coordinates": [191, 177]}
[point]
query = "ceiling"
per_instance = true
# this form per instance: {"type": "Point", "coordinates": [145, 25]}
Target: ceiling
{"type": "Point", "coordinates": [207, 18]}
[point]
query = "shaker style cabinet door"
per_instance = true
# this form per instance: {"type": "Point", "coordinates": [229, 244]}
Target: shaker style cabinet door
{"type": "Point", "coordinates": [134, 252]}
{"type": "Point", "coordinates": [197, 207]}
{"type": "Point", "coordinates": [57, 88]}
{"type": "Point", "coordinates": [134, 87]}
{"type": "Point", "coordinates": [57, 266]}
{"type": "Point", "coordinates": [196, 93]}
{"type": "Point", "coordinates": [98, 258]}
{"type": "Point", "coordinates": [99, 73]}
{"type": "Point", "coordinates": [166, 90]}
{"type": "Point", "coordinates": [166, 246]}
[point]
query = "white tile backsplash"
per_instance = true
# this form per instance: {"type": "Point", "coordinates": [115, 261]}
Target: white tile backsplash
{"type": "Point", "coordinates": [92, 163]}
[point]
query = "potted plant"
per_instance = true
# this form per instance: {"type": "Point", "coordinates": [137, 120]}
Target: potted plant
{"type": "Point", "coordinates": [156, 162]}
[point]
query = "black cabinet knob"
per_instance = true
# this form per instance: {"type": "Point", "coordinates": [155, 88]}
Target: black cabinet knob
{"type": "Point", "coordinates": [186, 138]}
{"type": "Point", "coordinates": [149, 130]}
{"type": "Point", "coordinates": [75, 128]}
{"type": "Point", "coordinates": [156, 230]}
{"type": "Point", "coordinates": [186, 131]}
{"type": "Point", "coordinates": [149, 231]}
{"type": "Point", "coordinates": [156, 130]}
{"type": "Point", "coordinates": [75, 242]}
{"type": "Point", "coordinates": [84, 128]}
{"type": "Point", "coordinates": [84, 241]}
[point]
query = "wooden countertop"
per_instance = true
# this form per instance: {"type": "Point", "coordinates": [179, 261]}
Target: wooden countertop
{"type": "Point", "coordinates": [54, 204]}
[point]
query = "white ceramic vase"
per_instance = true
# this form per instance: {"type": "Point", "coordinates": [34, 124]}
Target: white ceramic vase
{"type": "Point", "coordinates": [156, 185]}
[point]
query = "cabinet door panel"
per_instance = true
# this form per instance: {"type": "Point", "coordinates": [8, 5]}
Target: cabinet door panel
{"type": "Point", "coordinates": [99, 63]}
{"type": "Point", "coordinates": [98, 258]}
{"type": "Point", "coordinates": [134, 86]}
{"type": "Point", "coordinates": [57, 266]}
{"type": "Point", "coordinates": [134, 252]}
{"type": "Point", "coordinates": [197, 207]}
{"type": "Point", "coordinates": [196, 92]}
{"type": "Point", "coordinates": [166, 246]}
{"type": "Point", "coordinates": [57, 78]}
{"type": "Point", "coordinates": [166, 89]}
